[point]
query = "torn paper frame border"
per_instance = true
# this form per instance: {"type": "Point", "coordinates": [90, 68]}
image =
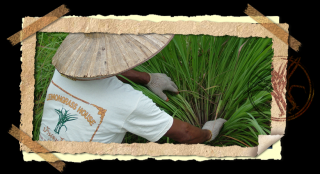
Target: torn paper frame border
{"type": "Point", "coordinates": [86, 24]}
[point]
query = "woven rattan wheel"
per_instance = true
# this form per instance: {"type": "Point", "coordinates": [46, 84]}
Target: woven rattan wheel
{"type": "Point", "coordinates": [90, 56]}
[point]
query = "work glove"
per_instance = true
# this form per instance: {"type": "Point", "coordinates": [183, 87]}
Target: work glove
{"type": "Point", "coordinates": [159, 82]}
{"type": "Point", "coordinates": [214, 126]}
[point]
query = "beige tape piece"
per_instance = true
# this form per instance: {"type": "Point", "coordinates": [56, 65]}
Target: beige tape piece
{"type": "Point", "coordinates": [34, 146]}
{"type": "Point", "coordinates": [273, 28]}
{"type": "Point", "coordinates": [38, 25]}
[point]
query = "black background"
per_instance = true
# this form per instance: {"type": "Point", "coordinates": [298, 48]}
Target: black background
{"type": "Point", "coordinates": [298, 144]}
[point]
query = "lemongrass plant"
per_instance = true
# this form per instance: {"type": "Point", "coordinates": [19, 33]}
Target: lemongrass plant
{"type": "Point", "coordinates": [218, 77]}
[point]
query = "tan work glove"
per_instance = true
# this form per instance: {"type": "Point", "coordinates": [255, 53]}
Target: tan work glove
{"type": "Point", "coordinates": [159, 82]}
{"type": "Point", "coordinates": [214, 126]}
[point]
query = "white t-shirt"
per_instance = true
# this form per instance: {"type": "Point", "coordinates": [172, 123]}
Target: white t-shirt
{"type": "Point", "coordinates": [99, 111]}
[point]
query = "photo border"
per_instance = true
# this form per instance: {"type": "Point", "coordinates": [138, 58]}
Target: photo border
{"type": "Point", "coordinates": [86, 24]}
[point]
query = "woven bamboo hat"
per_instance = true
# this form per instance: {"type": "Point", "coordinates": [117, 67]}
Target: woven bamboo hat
{"type": "Point", "coordinates": [91, 56]}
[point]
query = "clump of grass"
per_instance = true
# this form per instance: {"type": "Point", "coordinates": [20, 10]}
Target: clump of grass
{"type": "Point", "coordinates": [230, 72]}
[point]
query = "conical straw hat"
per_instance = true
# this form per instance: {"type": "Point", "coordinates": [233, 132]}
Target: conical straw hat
{"type": "Point", "coordinates": [91, 56]}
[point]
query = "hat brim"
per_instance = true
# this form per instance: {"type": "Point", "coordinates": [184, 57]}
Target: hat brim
{"type": "Point", "coordinates": [96, 56]}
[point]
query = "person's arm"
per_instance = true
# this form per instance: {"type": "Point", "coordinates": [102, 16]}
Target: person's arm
{"type": "Point", "coordinates": [156, 82]}
{"type": "Point", "coordinates": [186, 133]}
{"type": "Point", "coordinates": [135, 76]}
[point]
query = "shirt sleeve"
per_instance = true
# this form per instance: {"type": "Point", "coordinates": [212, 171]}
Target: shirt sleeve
{"type": "Point", "coordinates": [148, 121]}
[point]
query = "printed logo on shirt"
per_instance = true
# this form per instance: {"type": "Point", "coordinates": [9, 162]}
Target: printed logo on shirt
{"type": "Point", "coordinates": [72, 105]}
{"type": "Point", "coordinates": [63, 100]}
{"type": "Point", "coordinates": [81, 110]}
{"type": "Point", "coordinates": [84, 113]}
{"type": "Point", "coordinates": [63, 118]}
{"type": "Point", "coordinates": [47, 129]}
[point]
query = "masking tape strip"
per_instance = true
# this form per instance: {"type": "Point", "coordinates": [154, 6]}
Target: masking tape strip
{"type": "Point", "coordinates": [38, 25]}
{"type": "Point", "coordinates": [36, 147]}
{"type": "Point", "coordinates": [273, 28]}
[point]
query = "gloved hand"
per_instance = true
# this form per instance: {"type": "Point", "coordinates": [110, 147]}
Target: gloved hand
{"type": "Point", "coordinates": [159, 82]}
{"type": "Point", "coordinates": [214, 126]}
